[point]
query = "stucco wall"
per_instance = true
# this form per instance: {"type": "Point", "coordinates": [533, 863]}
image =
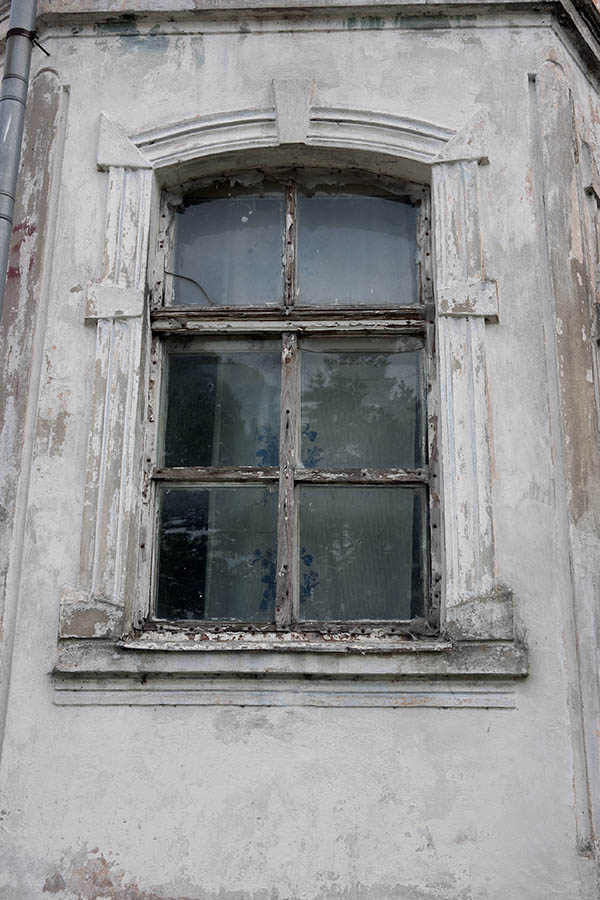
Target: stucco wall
{"type": "Point", "coordinates": [266, 803]}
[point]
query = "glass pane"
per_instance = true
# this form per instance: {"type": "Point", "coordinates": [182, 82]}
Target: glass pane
{"type": "Point", "coordinates": [362, 552]}
{"type": "Point", "coordinates": [355, 249]}
{"type": "Point", "coordinates": [218, 553]}
{"type": "Point", "coordinates": [361, 408]}
{"type": "Point", "coordinates": [223, 406]}
{"type": "Point", "coordinates": [232, 248]}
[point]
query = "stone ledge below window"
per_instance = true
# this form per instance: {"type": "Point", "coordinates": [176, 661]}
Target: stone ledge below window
{"type": "Point", "coordinates": [415, 673]}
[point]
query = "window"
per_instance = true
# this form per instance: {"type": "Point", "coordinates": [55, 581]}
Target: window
{"type": "Point", "coordinates": [109, 625]}
{"type": "Point", "coordinates": [293, 464]}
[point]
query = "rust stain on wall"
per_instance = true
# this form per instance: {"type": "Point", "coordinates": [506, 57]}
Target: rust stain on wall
{"type": "Point", "coordinates": [92, 876]}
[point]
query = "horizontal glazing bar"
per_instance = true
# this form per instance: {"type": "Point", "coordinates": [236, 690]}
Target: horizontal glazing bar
{"type": "Point", "coordinates": [286, 313]}
{"type": "Point", "coordinates": [310, 476]}
{"type": "Point", "coordinates": [398, 343]}
{"type": "Point", "coordinates": [217, 474]}
{"type": "Point", "coordinates": [335, 325]}
{"type": "Point", "coordinates": [362, 476]}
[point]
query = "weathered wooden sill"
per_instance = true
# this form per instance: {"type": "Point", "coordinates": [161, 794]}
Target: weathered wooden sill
{"type": "Point", "coordinates": [286, 643]}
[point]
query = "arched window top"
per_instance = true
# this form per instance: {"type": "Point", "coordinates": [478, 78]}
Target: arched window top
{"type": "Point", "coordinates": [300, 237]}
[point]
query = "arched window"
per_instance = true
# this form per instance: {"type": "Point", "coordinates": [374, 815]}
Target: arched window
{"type": "Point", "coordinates": [292, 455]}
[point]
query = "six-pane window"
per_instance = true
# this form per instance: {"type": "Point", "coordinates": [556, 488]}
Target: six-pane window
{"type": "Point", "coordinates": [292, 479]}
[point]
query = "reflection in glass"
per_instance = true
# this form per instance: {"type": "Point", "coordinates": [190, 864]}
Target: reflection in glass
{"type": "Point", "coordinates": [356, 249]}
{"type": "Point", "coordinates": [218, 553]}
{"type": "Point", "coordinates": [361, 409]}
{"type": "Point", "coordinates": [362, 552]}
{"type": "Point", "coordinates": [223, 406]}
{"type": "Point", "coordinates": [232, 247]}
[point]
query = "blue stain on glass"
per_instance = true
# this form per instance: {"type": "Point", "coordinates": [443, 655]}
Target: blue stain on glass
{"type": "Point", "coordinates": [269, 454]}
{"type": "Point", "coordinates": [310, 580]}
{"type": "Point", "coordinates": [267, 560]}
{"type": "Point", "coordinates": [306, 558]}
{"type": "Point", "coordinates": [313, 457]}
{"type": "Point", "coordinates": [315, 454]}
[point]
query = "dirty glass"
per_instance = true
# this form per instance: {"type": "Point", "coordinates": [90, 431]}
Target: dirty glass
{"type": "Point", "coordinates": [361, 553]}
{"type": "Point", "coordinates": [356, 249]}
{"type": "Point", "coordinates": [218, 553]}
{"type": "Point", "coordinates": [231, 247]}
{"type": "Point", "coordinates": [360, 406]}
{"type": "Point", "coordinates": [222, 405]}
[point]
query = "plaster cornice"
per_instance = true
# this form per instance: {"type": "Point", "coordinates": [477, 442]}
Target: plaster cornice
{"type": "Point", "coordinates": [63, 11]}
{"type": "Point", "coordinates": [579, 18]}
{"type": "Point", "coordinates": [589, 10]}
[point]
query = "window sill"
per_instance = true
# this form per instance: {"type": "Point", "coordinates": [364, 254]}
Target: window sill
{"type": "Point", "coordinates": [374, 640]}
{"type": "Point", "coordinates": [172, 671]}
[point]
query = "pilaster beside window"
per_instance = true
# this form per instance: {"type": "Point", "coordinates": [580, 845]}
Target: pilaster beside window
{"type": "Point", "coordinates": [115, 310]}
{"type": "Point", "coordinates": [476, 607]}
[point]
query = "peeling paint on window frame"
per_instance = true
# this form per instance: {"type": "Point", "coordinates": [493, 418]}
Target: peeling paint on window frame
{"type": "Point", "coordinates": [169, 323]}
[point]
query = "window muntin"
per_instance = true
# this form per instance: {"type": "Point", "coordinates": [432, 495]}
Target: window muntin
{"type": "Point", "coordinates": [380, 358]}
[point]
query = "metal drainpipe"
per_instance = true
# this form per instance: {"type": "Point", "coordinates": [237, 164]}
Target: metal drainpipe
{"type": "Point", "coordinates": [13, 97]}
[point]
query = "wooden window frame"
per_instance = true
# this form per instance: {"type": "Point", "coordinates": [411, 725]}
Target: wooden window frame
{"type": "Point", "coordinates": [171, 324]}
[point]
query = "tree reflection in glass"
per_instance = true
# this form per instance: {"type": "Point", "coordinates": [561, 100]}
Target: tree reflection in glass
{"type": "Point", "coordinates": [361, 409]}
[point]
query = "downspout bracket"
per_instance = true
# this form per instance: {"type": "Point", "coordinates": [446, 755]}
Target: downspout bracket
{"type": "Point", "coordinates": [24, 32]}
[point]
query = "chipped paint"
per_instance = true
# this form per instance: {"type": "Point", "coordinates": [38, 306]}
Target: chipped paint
{"type": "Point", "coordinates": [92, 876]}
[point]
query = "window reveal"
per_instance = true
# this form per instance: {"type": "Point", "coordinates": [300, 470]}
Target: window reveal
{"type": "Point", "coordinates": [292, 477]}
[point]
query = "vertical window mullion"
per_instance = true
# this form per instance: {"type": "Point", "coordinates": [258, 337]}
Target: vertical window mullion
{"type": "Point", "coordinates": [286, 525]}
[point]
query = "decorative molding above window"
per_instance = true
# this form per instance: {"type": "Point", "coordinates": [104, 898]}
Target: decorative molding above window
{"type": "Point", "coordinates": [316, 126]}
